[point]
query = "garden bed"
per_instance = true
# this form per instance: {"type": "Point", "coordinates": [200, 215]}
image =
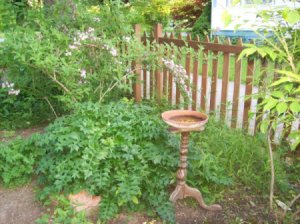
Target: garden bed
{"type": "Point", "coordinates": [240, 203]}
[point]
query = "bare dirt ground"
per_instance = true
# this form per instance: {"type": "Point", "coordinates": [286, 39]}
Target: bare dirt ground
{"type": "Point", "coordinates": [24, 133]}
{"type": "Point", "coordinates": [19, 206]}
{"type": "Point", "coordinates": [238, 207]}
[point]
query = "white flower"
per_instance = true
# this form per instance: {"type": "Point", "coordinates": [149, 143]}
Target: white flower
{"type": "Point", "coordinates": [83, 73]}
{"type": "Point", "coordinates": [96, 19]}
{"type": "Point", "coordinates": [7, 85]}
{"type": "Point", "coordinates": [13, 92]}
{"type": "Point", "coordinates": [81, 82]}
{"type": "Point", "coordinates": [10, 86]}
{"type": "Point", "coordinates": [4, 84]}
{"type": "Point", "coordinates": [179, 74]}
{"type": "Point", "coordinates": [90, 30]}
{"type": "Point", "coordinates": [68, 53]}
{"type": "Point", "coordinates": [113, 52]}
{"type": "Point", "coordinates": [126, 39]}
{"type": "Point", "coordinates": [128, 70]}
{"type": "Point", "coordinates": [106, 47]}
{"type": "Point", "coordinates": [72, 47]}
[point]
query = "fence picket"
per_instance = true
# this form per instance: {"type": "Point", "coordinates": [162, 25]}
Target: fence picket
{"type": "Point", "coordinates": [187, 68]}
{"type": "Point", "coordinates": [236, 90]}
{"type": "Point", "coordinates": [158, 75]}
{"type": "Point", "coordinates": [177, 86]}
{"type": "Point", "coordinates": [171, 75]}
{"type": "Point", "coordinates": [204, 77]}
{"type": "Point", "coordinates": [195, 78]}
{"type": "Point", "coordinates": [145, 81]}
{"type": "Point", "coordinates": [248, 92]}
{"type": "Point", "coordinates": [214, 78]}
{"type": "Point", "coordinates": [261, 85]}
{"type": "Point", "coordinates": [137, 66]}
{"type": "Point", "coordinates": [225, 80]}
{"type": "Point", "coordinates": [145, 84]}
{"type": "Point", "coordinates": [151, 72]}
{"type": "Point", "coordinates": [165, 72]}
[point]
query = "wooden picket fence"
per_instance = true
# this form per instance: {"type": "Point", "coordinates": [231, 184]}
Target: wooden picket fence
{"type": "Point", "coordinates": [159, 83]}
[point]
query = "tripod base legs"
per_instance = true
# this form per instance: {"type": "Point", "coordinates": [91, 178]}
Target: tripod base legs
{"type": "Point", "coordinates": [183, 191]}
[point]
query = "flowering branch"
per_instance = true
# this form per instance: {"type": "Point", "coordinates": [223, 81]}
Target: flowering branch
{"type": "Point", "coordinates": [180, 76]}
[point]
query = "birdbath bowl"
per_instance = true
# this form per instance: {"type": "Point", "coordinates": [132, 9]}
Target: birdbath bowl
{"type": "Point", "coordinates": [185, 121]}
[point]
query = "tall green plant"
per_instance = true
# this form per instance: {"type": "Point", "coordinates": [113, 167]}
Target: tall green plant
{"type": "Point", "coordinates": [281, 101]}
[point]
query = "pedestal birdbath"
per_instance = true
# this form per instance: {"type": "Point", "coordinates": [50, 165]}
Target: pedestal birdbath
{"type": "Point", "coordinates": [185, 121]}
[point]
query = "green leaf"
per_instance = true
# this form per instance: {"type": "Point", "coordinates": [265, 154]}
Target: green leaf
{"type": "Point", "coordinates": [135, 200]}
{"type": "Point", "coordinates": [292, 17]}
{"type": "Point", "coordinates": [262, 52]}
{"type": "Point", "coordinates": [226, 18]}
{"type": "Point", "coordinates": [281, 107]}
{"type": "Point", "coordinates": [295, 107]}
{"type": "Point", "coordinates": [247, 52]}
{"type": "Point", "coordinates": [271, 103]}
{"type": "Point", "coordinates": [292, 75]}
{"type": "Point", "coordinates": [269, 51]}
{"type": "Point", "coordinates": [280, 81]}
{"type": "Point", "coordinates": [295, 144]}
{"type": "Point", "coordinates": [264, 125]}
{"type": "Point", "coordinates": [295, 139]}
{"type": "Point", "coordinates": [288, 87]}
{"type": "Point", "coordinates": [278, 94]}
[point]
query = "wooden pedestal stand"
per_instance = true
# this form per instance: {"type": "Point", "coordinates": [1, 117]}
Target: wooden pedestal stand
{"type": "Point", "coordinates": [182, 190]}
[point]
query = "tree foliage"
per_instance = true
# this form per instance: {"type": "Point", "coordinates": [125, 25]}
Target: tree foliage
{"type": "Point", "coordinates": [188, 11]}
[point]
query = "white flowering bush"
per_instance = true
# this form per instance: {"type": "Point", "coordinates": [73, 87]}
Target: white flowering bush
{"type": "Point", "coordinates": [66, 54]}
{"type": "Point", "coordinates": [70, 56]}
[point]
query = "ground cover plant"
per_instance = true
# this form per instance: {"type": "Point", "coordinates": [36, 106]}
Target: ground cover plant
{"type": "Point", "coordinates": [113, 151]}
{"type": "Point", "coordinates": [131, 160]}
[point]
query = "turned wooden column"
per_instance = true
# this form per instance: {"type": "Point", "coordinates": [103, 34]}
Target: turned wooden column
{"type": "Point", "coordinates": [182, 172]}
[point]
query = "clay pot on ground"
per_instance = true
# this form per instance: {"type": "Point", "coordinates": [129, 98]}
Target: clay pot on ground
{"type": "Point", "coordinates": [83, 201]}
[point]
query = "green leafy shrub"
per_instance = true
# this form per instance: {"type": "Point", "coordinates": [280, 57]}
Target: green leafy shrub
{"type": "Point", "coordinates": [188, 11]}
{"type": "Point", "coordinates": [202, 25]}
{"type": "Point", "coordinates": [121, 151]}
{"type": "Point", "coordinates": [18, 159]}
{"type": "Point", "coordinates": [66, 54]}
{"type": "Point", "coordinates": [151, 12]}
